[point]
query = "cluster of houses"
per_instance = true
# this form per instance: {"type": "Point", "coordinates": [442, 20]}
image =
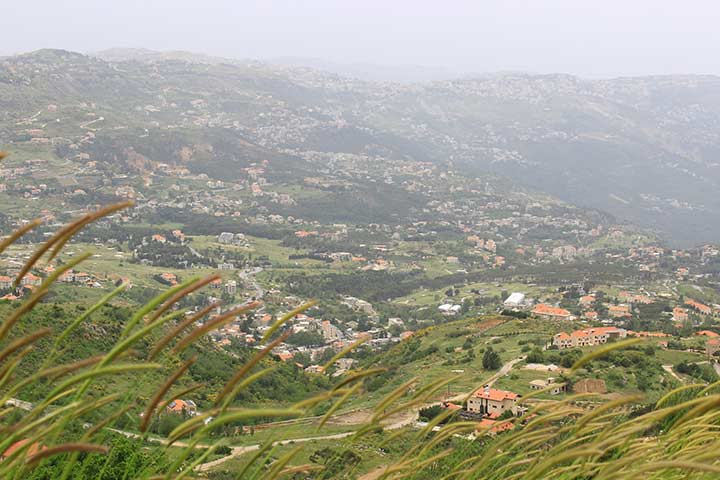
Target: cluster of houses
{"type": "Point", "coordinates": [237, 239]}
{"type": "Point", "coordinates": [31, 281]}
{"type": "Point", "coordinates": [588, 337]}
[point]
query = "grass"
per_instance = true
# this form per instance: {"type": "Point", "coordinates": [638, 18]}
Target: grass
{"type": "Point", "coordinates": [565, 438]}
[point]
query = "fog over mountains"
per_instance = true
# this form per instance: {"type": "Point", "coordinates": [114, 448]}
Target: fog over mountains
{"type": "Point", "coordinates": [645, 149]}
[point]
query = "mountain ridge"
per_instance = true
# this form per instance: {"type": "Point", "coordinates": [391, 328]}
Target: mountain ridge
{"type": "Point", "coordinates": [642, 148]}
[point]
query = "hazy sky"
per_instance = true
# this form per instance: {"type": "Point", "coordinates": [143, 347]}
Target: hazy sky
{"type": "Point", "coordinates": [585, 37]}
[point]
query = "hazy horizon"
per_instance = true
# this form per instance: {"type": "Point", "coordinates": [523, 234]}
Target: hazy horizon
{"type": "Point", "coordinates": [588, 39]}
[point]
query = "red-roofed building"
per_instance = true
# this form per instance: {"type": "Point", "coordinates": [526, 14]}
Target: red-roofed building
{"type": "Point", "coordinates": [619, 311]}
{"type": "Point", "coordinates": [680, 315]}
{"type": "Point", "coordinates": [712, 346]}
{"type": "Point", "coordinates": [586, 300]}
{"type": "Point", "coordinates": [285, 356]}
{"type": "Point", "coordinates": [549, 312]}
{"type": "Point", "coordinates": [182, 406]}
{"type": "Point", "coordinates": [707, 333]}
{"type": "Point", "coordinates": [588, 337]}
{"type": "Point", "coordinates": [700, 307]}
{"type": "Point", "coordinates": [31, 279]}
{"type": "Point", "coordinates": [405, 335]}
{"type": "Point", "coordinates": [492, 402]}
{"type": "Point", "coordinates": [5, 282]}
{"type": "Point", "coordinates": [169, 277]}
{"type": "Point", "coordinates": [647, 334]}
{"type": "Point", "coordinates": [493, 427]}
{"type": "Point", "coordinates": [452, 406]}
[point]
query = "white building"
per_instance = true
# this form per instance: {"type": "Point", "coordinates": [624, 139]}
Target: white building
{"type": "Point", "coordinates": [516, 299]}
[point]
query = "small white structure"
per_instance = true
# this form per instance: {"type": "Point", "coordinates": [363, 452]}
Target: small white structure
{"type": "Point", "coordinates": [449, 309]}
{"type": "Point", "coordinates": [516, 299]}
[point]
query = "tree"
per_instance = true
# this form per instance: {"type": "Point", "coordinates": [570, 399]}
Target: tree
{"type": "Point", "coordinates": [535, 356]}
{"type": "Point", "coordinates": [491, 360]}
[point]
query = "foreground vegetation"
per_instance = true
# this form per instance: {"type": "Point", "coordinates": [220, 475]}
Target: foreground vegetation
{"type": "Point", "coordinates": [76, 425]}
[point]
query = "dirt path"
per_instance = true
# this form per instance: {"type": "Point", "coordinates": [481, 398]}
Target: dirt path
{"type": "Point", "coordinates": [392, 423]}
{"type": "Point", "coordinates": [669, 369]}
{"type": "Point", "coordinates": [373, 474]}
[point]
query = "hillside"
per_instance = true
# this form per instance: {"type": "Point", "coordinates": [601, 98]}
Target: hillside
{"type": "Point", "coordinates": [643, 149]}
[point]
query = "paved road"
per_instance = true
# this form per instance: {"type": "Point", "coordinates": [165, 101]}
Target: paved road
{"type": "Point", "coordinates": [248, 276]}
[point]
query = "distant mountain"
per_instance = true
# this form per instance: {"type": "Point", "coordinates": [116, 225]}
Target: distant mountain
{"type": "Point", "coordinates": [644, 149]}
{"type": "Point", "coordinates": [143, 54]}
{"type": "Point", "coordinates": [371, 72]}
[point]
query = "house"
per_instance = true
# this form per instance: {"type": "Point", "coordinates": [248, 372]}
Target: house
{"type": "Point", "coordinates": [158, 238]}
{"type": "Point", "coordinates": [493, 403]}
{"type": "Point", "coordinates": [82, 277]}
{"type": "Point", "coordinates": [588, 337]}
{"type": "Point", "coordinates": [31, 279]}
{"type": "Point", "coordinates": [341, 256]}
{"type": "Point", "coordinates": [231, 287]}
{"type": "Point", "coordinates": [178, 406]}
{"type": "Point", "coordinates": [226, 237]}
{"type": "Point", "coordinates": [645, 334]}
{"type": "Point", "coordinates": [712, 346]}
{"type": "Point", "coordinates": [586, 300]}
{"type": "Point", "coordinates": [643, 299]}
{"type": "Point", "coordinates": [315, 369]}
{"type": "Point", "coordinates": [619, 311]}
{"type": "Point", "coordinates": [680, 315]}
{"type": "Point", "coordinates": [5, 282]}
{"type": "Point", "coordinates": [550, 382]}
{"type": "Point", "coordinates": [449, 309]}
{"type": "Point", "coordinates": [700, 307]}
{"type": "Point", "coordinates": [707, 333]}
{"type": "Point", "coordinates": [285, 356]}
{"type": "Point", "coordinates": [169, 277]}
{"type": "Point", "coordinates": [548, 312]}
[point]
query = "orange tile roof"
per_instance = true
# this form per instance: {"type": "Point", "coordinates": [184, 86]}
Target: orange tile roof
{"type": "Point", "coordinates": [494, 426]}
{"type": "Point", "coordinates": [647, 334]}
{"type": "Point", "coordinates": [707, 333]}
{"type": "Point", "coordinates": [495, 395]}
{"type": "Point", "coordinates": [698, 306]}
{"type": "Point", "coordinates": [545, 309]}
